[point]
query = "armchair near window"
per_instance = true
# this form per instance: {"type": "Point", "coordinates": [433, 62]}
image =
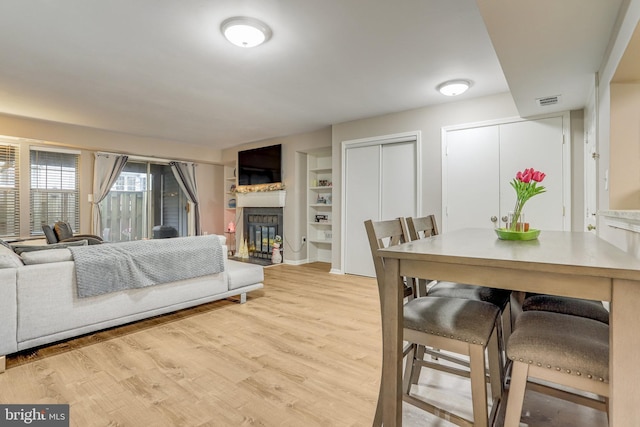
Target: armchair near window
{"type": "Point", "coordinates": [61, 232]}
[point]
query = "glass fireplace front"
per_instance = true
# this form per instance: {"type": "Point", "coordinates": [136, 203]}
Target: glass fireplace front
{"type": "Point", "coordinates": [260, 229]}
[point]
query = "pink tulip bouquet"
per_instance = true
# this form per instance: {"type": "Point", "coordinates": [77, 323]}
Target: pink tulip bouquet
{"type": "Point", "coordinates": [526, 185]}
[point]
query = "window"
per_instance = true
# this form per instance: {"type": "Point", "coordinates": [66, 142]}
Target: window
{"type": "Point", "coordinates": [54, 188]}
{"type": "Point", "coordinates": [145, 195]}
{"type": "Point", "coordinates": [9, 193]}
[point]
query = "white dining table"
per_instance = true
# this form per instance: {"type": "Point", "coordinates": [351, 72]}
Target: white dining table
{"type": "Point", "coordinates": [573, 264]}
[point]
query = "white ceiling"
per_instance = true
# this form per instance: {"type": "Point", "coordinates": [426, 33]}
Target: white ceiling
{"type": "Point", "coordinates": [550, 47]}
{"type": "Point", "coordinates": [161, 68]}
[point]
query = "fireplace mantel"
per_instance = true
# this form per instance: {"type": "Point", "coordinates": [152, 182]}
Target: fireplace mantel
{"type": "Point", "coordinates": [261, 199]}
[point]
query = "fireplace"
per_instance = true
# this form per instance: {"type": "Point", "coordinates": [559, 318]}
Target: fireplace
{"type": "Point", "coordinates": [260, 227]}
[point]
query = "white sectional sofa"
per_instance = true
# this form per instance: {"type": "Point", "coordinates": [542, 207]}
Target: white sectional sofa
{"type": "Point", "coordinates": [39, 302]}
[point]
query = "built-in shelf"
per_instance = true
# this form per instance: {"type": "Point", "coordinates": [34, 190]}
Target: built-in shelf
{"type": "Point", "coordinates": [229, 197]}
{"type": "Point", "coordinates": [320, 241]}
{"type": "Point", "coordinates": [319, 205]}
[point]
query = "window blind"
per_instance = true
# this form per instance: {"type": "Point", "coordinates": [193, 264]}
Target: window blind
{"type": "Point", "coordinates": [54, 188]}
{"type": "Point", "coordinates": [9, 191]}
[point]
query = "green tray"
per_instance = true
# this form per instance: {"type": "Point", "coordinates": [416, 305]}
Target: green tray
{"type": "Point", "coordinates": [505, 234]}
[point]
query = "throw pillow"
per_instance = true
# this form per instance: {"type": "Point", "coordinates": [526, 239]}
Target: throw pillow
{"type": "Point", "coordinates": [20, 249]}
{"type": "Point", "coordinates": [49, 233]}
{"type": "Point", "coordinates": [63, 230]}
{"type": "Point", "coordinates": [44, 257]}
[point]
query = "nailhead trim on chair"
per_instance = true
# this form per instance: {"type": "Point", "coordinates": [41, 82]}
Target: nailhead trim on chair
{"type": "Point", "coordinates": [557, 368]}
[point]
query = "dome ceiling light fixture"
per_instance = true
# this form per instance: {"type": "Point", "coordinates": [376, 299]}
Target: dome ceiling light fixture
{"type": "Point", "coordinates": [245, 32]}
{"type": "Point", "coordinates": [454, 87]}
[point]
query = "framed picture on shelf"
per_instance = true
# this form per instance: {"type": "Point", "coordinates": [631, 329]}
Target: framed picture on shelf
{"type": "Point", "coordinates": [322, 218]}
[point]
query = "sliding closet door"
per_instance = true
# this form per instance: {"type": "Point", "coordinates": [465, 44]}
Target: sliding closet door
{"type": "Point", "coordinates": [381, 182]}
{"type": "Point", "coordinates": [398, 180]}
{"type": "Point", "coordinates": [362, 197]}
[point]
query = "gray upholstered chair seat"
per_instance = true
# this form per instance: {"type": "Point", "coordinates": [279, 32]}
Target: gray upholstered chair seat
{"type": "Point", "coordinates": [571, 344]}
{"type": "Point", "coordinates": [565, 305]}
{"type": "Point", "coordinates": [497, 297]}
{"type": "Point", "coordinates": [461, 319]}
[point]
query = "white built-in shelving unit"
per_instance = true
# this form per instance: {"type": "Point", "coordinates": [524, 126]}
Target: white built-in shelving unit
{"type": "Point", "coordinates": [319, 203]}
{"type": "Point", "coordinates": [230, 202]}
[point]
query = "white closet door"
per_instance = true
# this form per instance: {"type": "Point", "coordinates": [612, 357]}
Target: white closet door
{"type": "Point", "coordinates": [534, 144]}
{"type": "Point", "coordinates": [362, 202]}
{"type": "Point", "coordinates": [479, 164]}
{"type": "Point", "coordinates": [399, 180]}
{"type": "Point", "coordinates": [381, 183]}
{"type": "Point", "coordinates": [471, 179]}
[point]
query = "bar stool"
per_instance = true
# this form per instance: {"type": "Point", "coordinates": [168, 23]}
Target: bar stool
{"type": "Point", "coordinates": [426, 226]}
{"type": "Point", "coordinates": [566, 350]}
{"type": "Point", "coordinates": [461, 326]}
{"type": "Point", "coordinates": [380, 236]}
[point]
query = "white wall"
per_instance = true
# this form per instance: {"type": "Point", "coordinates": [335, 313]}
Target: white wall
{"type": "Point", "coordinates": [429, 121]}
{"type": "Point", "coordinates": [626, 26]}
{"type": "Point", "coordinates": [90, 140]}
{"type": "Point", "coordinates": [624, 151]}
{"type": "Point", "coordinates": [294, 169]}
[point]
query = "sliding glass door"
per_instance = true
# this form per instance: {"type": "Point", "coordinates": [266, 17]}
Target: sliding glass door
{"type": "Point", "coordinates": [145, 202]}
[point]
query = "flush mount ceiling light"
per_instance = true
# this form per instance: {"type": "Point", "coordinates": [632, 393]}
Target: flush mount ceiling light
{"type": "Point", "coordinates": [245, 32]}
{"type": "Point", "coordinates": [454, 87]}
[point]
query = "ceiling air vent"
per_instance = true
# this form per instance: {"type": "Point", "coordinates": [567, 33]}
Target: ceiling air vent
{"type": "Point", "coordinates": [548, 100]}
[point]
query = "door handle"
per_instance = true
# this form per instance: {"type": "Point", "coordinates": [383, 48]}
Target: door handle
{"type": "Point", "coordinates": [494, 219]}
{"type": "Point", "coordinates": [591, 227]}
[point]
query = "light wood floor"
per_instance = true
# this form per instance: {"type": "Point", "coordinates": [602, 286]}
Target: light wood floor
{"type": "Point", "coordinates": [304, 351]}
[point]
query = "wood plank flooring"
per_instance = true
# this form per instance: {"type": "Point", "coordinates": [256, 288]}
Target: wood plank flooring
{"type": "Point", "coordinates": [304, 351]}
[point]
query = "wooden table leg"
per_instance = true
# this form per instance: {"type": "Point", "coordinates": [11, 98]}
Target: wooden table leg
{"type": "Point", "coordinates": [624, 359]}
{"type": "Point", "coordinates": [392, 345]}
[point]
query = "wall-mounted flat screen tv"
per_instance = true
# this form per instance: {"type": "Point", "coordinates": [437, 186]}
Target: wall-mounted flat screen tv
{"type": "Point", "coordinates": [260, 166]}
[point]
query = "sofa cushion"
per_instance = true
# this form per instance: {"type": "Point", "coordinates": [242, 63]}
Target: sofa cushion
{"type": "Point", "coordinates": [8, 258]}
{"type": "Point", "coordinates": [20, 249]}
{"type": "Point", "coordinates": [45, 257]}
{"type": "Point", "coordinates": [242, 274]}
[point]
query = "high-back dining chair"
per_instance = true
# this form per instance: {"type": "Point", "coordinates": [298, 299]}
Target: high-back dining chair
{"type": "Point", "coordinates": [383, 235]}
{"type": "Point", "coordinates": [426, 226]}
{"type": "Point", "coordinates": [461, 326]}
{"type": "Point", "coordinates": [390, 234]}
{"type": "Point", "coordinates": [561, 350]}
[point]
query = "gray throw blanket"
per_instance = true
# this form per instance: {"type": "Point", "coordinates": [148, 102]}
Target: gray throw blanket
{"type": "Point", "coordinates": [112, 267]}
